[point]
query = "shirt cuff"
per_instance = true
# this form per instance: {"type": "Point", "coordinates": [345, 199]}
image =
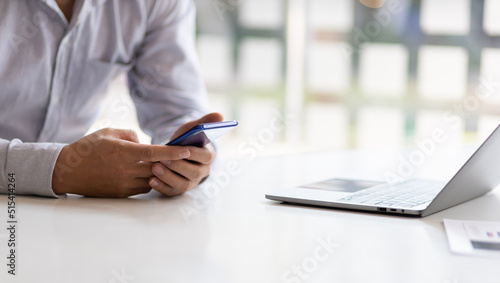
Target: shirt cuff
{"type": "Point", "coordinates": [33, 165]}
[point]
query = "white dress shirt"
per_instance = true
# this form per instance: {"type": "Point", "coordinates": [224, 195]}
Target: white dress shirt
{"type": "Point", "coordinates": [53, 75]}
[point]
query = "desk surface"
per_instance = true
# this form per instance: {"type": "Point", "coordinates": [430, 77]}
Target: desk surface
{"type": "Point", "coordinates": [236, 235]}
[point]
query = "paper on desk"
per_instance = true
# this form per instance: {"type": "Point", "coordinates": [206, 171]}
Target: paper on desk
{"type": "Point", "coordinates": [477, 238]}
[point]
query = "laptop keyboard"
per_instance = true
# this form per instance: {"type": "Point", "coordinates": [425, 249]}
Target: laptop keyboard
{"type": "Point", "coordinates": [406, 194]}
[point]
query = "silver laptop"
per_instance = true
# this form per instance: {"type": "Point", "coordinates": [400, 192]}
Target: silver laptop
{"type": "Point", "coordinates": [479, 175]}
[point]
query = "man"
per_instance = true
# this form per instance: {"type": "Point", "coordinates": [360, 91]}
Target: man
{"type": "Point", "coordinates": [57, 57]}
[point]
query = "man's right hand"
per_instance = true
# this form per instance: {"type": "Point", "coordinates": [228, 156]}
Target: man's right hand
{"type": "Point", "coordinates": [110, 163]}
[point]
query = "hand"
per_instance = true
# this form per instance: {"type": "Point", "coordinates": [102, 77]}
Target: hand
{"type": "Point", "coordinates": [175, 177]}
{"type": "Point", "coordinates": [110, 163]}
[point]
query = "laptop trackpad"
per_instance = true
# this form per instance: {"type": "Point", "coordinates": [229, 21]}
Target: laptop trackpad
{"type": "Point", "coordinates": [342, 185]}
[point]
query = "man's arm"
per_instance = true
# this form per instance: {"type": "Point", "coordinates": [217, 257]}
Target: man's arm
{"type": "Point", "coordinates": [32, 165]}
{"type": "Point", "coordinates": [166, 82]}
{"type": "Point", "coordinates": [107, 163]}
{"type": "Point", "coordinates": [168, 90]}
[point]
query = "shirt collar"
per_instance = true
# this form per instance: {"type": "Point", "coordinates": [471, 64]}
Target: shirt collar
{"type": "Point", "coordinates": [82, 8]}
{"type": "Point", "coordinates": [91, 2]}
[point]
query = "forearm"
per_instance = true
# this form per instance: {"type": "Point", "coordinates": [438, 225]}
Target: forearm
{"type": "Point", "coordinates": [33, 165]}
{"type": "Point", "coordinates": [166, 83]}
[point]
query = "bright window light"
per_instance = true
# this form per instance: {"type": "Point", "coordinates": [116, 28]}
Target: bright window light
{"type": "Point", "coordinates": [260, 63]}
{"type": "Point", "coordinates": [328, 69]}
{"type": "Point", "coordinates": [491, 22]}
{"type": "Point", "coordinates": [215, 59]}
{"type": "Point", "coordinates": [450, 123]}
{"type": "Point", "coordinates": [490, 71]}
{"type": "Point", "coordinates": [445, 17]}
{"type": "Point", "coordinates": [442, 72]}
{"type": "Point", "coordinates": [261, 13]}
{"type": "Point", "coordinates": [331, 15]}
{"type": "Point", "coordinates": [260, 115]}
{"type": "Point", "coordinates": [326, 125]}
{"type": "Point", "coordinates": [487, 123]}
{"type": "Point", "coordinates": [384, 69]}
{"type": "Point", "coordinates": [380, 127]}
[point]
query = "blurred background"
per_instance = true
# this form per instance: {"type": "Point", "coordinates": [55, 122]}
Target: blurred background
{"type": "Point", "coordinates": [314, 75]}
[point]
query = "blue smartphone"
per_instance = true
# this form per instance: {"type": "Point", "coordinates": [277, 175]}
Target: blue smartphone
{"type": "Point", "coordinates": [203, 134]}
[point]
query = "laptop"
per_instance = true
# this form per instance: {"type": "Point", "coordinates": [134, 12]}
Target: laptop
{"type": "Point", "coordinates": [479, 175]}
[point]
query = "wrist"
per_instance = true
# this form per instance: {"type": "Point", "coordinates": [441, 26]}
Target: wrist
{"type": "Point", "coordinates": [58, 186]}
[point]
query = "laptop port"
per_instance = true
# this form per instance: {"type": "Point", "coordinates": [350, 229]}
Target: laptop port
{"type": "Point", "coordinates": [393, 209]}
{"type": "Point", "coordinates": [381, 209]}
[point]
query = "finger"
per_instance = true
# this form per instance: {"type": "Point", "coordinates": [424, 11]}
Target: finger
{"type": "Point", "coordinates": [170, 178]}
{"type": "Point", "coordinates": [189, 170]}
{"type": "Point", "coordinates": [164, 188]}
{"type": "Point", "coordinates": [155, 153]}
{"type": "Point", "coordinates": [142, 169]}
{"type": "Point", "coordinates": [203, 155]}
{"type": "Point", "coordinates": [209, 118]}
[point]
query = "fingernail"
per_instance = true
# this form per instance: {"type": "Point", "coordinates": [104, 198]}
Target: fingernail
{"type": "Point", "coordinates": [185, 154]}
{"type": "Point", "coordinates": [158, 170]}
{"type": "Point", "coordinates": [153, 183]}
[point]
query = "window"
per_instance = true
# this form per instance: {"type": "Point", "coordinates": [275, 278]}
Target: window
{"type": "Point", "coordinates": [361, 77]}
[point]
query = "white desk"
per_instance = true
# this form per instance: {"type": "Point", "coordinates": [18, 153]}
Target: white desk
{"type": "Point", "coordinates": [242, 237]}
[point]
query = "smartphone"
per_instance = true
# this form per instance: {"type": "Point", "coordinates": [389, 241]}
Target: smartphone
{"type": "Point", "coordinates": [203, 134]}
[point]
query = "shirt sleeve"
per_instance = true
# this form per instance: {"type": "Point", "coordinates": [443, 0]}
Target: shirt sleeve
{"type": "Point", "coordinates": [32, 165]}
{"type": "Point", "coordinates": [165, 82]}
